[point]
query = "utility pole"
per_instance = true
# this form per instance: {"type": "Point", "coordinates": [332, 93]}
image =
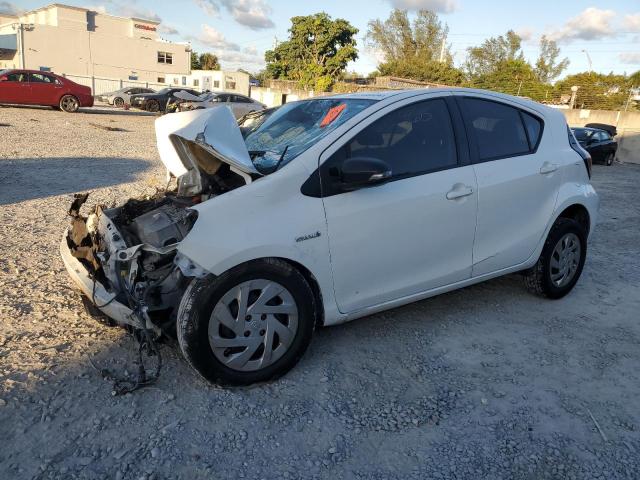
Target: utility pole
{"type": "Point", "coordinates": [589, 60]}
{"type": "Point", "coordinates": [574, 92]}
{"type": "Point", "coordinates": [442, 47]}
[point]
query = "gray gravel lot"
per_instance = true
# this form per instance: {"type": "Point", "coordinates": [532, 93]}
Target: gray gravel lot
{"type": "Point", "coordinates": [486, 382]}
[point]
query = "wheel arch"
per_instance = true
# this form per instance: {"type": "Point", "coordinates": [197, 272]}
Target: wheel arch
{"type": "Point", "coordinates": [579, 213]}
{"type": "Point", "coordinates": [308, 276]}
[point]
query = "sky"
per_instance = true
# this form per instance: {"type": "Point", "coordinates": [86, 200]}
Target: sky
{"type": "Point", "coordinates": [240, 31]}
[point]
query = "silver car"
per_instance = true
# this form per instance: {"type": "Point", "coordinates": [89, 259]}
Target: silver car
{"type": "Point", "coordinates": [122, 96]}
{"type": "Point", "coordinates": [240, 105]}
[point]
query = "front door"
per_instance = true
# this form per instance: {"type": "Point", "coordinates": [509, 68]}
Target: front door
{"type": "Point", "coordinates": [14, 88]}
{"type": "Point", "coordinates": [517, 182]}
{"type": "Point", "coordinates": [416, 231]}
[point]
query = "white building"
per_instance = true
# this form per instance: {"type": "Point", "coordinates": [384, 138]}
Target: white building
{"type": "Point", "coordinates": [214, 80]}
{"type": "Point", "coordinates": [78, 41]}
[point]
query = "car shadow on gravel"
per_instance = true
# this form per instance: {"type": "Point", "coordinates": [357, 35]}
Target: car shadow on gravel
{"type": "Point", "coordinates": [30, 178]}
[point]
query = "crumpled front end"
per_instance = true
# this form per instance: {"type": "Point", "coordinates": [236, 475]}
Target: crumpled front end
{"type": "Point", "coordinates": [125, 259]}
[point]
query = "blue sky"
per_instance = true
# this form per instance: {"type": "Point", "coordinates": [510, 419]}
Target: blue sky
{"type": "Point", "coordinates": [239, 31]}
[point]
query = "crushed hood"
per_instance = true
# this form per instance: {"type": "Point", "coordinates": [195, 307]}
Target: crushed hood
{"type": "Point", "coordinates": [215, 129]}
{"type": "Point", "coordinates": [182, 95]}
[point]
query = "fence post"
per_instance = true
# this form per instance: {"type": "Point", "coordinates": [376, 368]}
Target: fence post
{"type": "Point", "coordinates": [93, 84]}
{"type": "Point", "coordinates": [120, 83]}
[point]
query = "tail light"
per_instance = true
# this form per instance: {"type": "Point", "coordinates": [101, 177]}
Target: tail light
{"type": "Point", "coordinates": [586, 158]}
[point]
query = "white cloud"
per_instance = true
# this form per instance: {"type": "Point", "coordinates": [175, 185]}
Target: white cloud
{"type": "Point", "coordinates": [10, 8]}
{"type": "Point", "coordinates": [250, 13]}
{"type": "Point", "coordinates": [137, 12]}
{"type": "Point", "coordinates": [527, 34]}
{"type": "Point", "coordinates": [168, 29]}
{"type": "Point", "coordinates": [631, 22]}
{"type": "Point", "coordinates": [632, 58]}
{"type": "Point", "coordinates": [591, 24]}
{"type": "Point", "coordinates": [214, 39]}
{"type": "Point", "coordinates": [438, 6]}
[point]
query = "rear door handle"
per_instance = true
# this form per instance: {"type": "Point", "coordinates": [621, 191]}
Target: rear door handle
{"type": "Point", "coordinates": [548, 168]}
{"type": "Point", "coordinates": [458, 191]}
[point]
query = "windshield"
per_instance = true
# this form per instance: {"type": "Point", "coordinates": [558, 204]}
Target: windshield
{"type": "Point", "coordinates": [294, 127]}
{"type": "Point", "coordinates": [582, 134]}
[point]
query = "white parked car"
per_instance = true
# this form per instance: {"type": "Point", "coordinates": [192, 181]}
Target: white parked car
{"type": "Point", "coordinates": [240, 105]}
{"type": "Point", "coordinates": [120, 97]}
{"type": "Point", "coordinates": [330, 209]}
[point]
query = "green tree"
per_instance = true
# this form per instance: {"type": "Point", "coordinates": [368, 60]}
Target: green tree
{"type": "Point", "coordinates": [208, 61]}
{"type": "Point", "coordinates": [597, 91]}
{"type": "Point", "coordinates": [514, 77]}
{"type": "Point", "coordinates": [195, 62]}
{"type": "Point", "coordinates": [548, 67]}
{"type": "Point", "coordinates": [316, 53]}
{"type": "Point", "coordinates": [416, 50]}
{"type": "Point", "coordinates": [634, 79]}
{"type": "Point", "coordinates": [488, 57]}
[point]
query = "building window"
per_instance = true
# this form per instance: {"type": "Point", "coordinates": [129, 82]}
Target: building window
{"type": "Point", "coordinates": [196, 82]}
{"type": "Point", "coordinates": [175, 81]}
{"type": "Point", "coordinates": [184, 81]}
{"type": "Point", "coordinates": [161, 80]}
{"type": "Point", "coordinates": [216, 84]}
{"type": "Point", "coordinates": [133, 77]}
{"type": "Point", "coordinates": [230, 85]}
{"type": "Point", "coordinates": [165, 57]}
{"type": "Point", "coordinates": [45, 69]}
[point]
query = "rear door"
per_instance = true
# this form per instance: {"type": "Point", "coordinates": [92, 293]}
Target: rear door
{"type": "Point", "coordinates": [45, 89]}
{"type": "Point", "coordinates": [518, 181]}
{"type": "Point", "coordinates": [413, 233]}
{"type": "Point", "coordinates": [15, 88]}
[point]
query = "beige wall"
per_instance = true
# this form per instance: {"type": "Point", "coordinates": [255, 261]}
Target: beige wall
{"type": "Point", "coordinates": [627, 124]}
{"type": "Point", "coordinates": [61, 40]}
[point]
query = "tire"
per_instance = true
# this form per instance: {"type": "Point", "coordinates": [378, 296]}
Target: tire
{"type": "Point", "coordinates": [540, 278]}
{"type": "Point", "coordinates": [608, 160]}
{"type": "Point", "coordinates": [69, 104]}
{"type": "Point", "coordinates": [153, 106]}
{"type": "Point", "coordinates": [118, 102]}
{"type": "Point", "coordinates": [211, 347]}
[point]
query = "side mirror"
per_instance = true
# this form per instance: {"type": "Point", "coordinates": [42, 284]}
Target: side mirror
{"type": "Point", "coordinates": [591, 141]}
{"type": "Point", "coordinates": [360, 172]}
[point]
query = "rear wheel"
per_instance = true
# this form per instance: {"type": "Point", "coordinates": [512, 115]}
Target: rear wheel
{"type": "Point", "coordinates": [118, 102]}
{"type": "Point", "coordinates": [251, 324]}
{"type": "Point", "coordinates": [561, 261]}
{"type": "Point", "coordinates": [153, 106]}
{"type": "Point", "coordinates": [608, 161]}
{"type": "Point", "coordinates": [69, 104]}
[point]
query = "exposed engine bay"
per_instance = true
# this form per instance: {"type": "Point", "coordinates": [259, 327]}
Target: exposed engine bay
{"type": "Point", "coordinates": [131, 250]}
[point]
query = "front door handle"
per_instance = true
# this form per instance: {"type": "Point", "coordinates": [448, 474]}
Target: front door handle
{"type": "Point", "coordinates": [548, 168]}
{"type": "Point", "coordinates": [458, 191]}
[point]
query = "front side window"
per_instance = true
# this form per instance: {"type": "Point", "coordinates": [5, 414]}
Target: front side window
{"type": "Point", "coordinates": [412, 140]}
{"type": "Point", "coordinates": [17, 77]}
{"type": "Point", "coordinates": [295, 127]}
{"type": "Point", "coordinates": [498, 128]}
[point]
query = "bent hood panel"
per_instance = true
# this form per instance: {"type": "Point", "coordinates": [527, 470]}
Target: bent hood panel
{"type": "Point", "coordinates": [220, 131]}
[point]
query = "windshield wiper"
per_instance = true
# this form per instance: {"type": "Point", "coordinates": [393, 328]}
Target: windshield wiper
{"type": "Point", "coordinates": [284, 152]}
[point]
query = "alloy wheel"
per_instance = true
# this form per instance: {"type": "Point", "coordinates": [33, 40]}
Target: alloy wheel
{"type": "Point", "coordinates": [565, 259]}
{"type": "Point", "coordinates": [69, 104]}
{"type": "Point", "coordinates": [253, 325]}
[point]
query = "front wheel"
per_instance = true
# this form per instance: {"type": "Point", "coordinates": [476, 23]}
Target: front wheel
{"type": "Point", "coordinates": [69, 104]}
{"type": "Point", "coordinates": [118, 102]}
{"type": "Point", "coordinates": [251, 324]}
{"type": "Point", "coordinates": [561, 261]}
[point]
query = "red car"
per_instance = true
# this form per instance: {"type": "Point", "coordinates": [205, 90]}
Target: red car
{"type": "Point", "coordinates": [33, 87]}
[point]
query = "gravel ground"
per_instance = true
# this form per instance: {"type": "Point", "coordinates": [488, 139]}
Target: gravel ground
{"type": "Point", "coordinates": [487, 382]}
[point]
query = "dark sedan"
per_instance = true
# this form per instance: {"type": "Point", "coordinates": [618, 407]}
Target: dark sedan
{"type": "Point", "coordinates": [157, 102]}
{"type": "Point", "coordinates": [599, 143]}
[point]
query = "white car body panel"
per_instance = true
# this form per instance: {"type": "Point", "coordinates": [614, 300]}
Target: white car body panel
{"type": "Point", "coordinates": [220, 131]}
{"type": "Point", "coordinates": [380, 247]}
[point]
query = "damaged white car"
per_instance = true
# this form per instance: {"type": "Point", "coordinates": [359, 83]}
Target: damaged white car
{"type": "Point", "coordinates": [330, 209]}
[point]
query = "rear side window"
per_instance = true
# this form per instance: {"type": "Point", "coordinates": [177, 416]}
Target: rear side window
{"type": "Point", "coordinates": [534, 129]}
{"type": "Point", "coordinates": [17, 77]}
{"type": "Point", "coordinates": [498, 129]}
{"type": "Point", "coordinates": [412, 140]}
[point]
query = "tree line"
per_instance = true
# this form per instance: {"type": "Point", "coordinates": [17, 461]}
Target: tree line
{"type": "Point", "coordinates": [319, 48]}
